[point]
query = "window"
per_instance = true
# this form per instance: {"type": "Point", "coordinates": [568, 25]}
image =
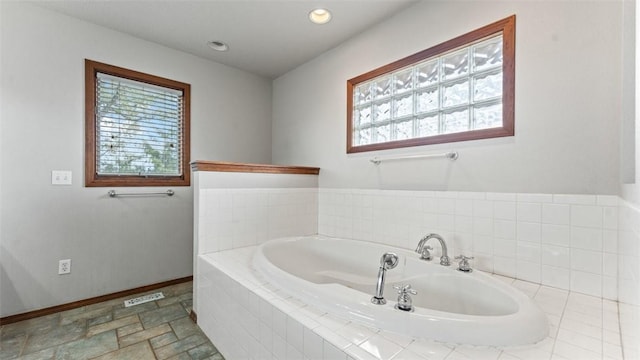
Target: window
{"type": "Point", "coordinates": [137, 128]}
{"type": "Point", "coordinates": [462, 89]}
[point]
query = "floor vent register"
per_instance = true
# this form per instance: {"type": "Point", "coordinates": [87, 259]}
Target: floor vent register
{"type": "Point", "coordinates": [143, 299]}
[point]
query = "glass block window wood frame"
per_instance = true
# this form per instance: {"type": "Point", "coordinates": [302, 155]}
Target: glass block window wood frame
{"type": "Point", "coordinates": [462, 89]}
{"type": "Point", "coordinates": [137, 128]}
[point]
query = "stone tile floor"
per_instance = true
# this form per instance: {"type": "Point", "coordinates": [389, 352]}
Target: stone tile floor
{"type": "Point", "coordinates": [159, 329]}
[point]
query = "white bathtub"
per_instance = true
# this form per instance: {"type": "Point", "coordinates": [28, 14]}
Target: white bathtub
{"type": "Point", "coordinates": [339, 276]}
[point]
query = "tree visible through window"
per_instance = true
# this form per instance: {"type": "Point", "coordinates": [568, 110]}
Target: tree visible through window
{"type": "Point", "coordinates": [462, 89]}
{"type": "Point", "coordinates": [137, 128]}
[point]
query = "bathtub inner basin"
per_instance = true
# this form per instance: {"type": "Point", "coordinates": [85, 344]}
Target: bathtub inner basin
{"type": "Point", "coordinates": [339, 275]}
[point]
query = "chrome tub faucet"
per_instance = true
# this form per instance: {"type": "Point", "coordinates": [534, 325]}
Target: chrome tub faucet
{"type": "Point", "coordinates": [423, 249]}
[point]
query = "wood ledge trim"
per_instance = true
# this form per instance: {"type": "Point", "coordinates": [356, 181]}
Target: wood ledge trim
{"type": "Point", "coordinates": [223, 166]}
{"type": "Point", "coordinates": [98, 299]}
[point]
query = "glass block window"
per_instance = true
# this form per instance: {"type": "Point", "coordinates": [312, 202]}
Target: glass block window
{"type": "Point", "coordinates": [455, 91]}
{"type": "Point", "coordinates": [137, 128]}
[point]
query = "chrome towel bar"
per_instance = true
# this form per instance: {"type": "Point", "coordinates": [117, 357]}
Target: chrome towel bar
{"type": "Point", "coordinates": [113, 193]}
{"type": "Point", "coordinates": [451, 155]}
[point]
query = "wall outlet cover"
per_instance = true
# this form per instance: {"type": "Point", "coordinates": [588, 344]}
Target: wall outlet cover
{"type": "Point", "coordinates": [64, 267]}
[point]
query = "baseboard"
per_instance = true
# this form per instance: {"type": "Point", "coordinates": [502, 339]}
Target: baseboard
{"type": "Point", "coordinates": [76, 304]}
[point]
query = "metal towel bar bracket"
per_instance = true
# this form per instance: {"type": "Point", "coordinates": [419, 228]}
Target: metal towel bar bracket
{"type": "Point", "coordinates": [113, 193]}
{"type": "Point", "coordinates": [451, 155]}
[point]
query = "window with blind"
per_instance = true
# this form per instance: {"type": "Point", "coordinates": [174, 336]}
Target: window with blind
{"type": "Point", "coordinates": [137, 128]}
{"type": "Point", "coordinates": [462, 89]}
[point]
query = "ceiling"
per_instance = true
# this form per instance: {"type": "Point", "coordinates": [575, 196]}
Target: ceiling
{"type": "Point", "coordinates": [265, 37]}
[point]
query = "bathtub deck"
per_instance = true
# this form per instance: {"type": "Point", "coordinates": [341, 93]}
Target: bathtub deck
{"type": "Point", "coordinates": [581, 326]}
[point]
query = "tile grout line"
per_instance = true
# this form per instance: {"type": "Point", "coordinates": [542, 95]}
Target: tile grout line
{"type": "Point", "coordinates": [555, 338]}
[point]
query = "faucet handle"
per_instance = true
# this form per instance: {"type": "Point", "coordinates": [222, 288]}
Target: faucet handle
{"type": "Point", "coordinates": [405, 303]}
{"type": "Point", "coordinates": [464, 263]}
{"type": "Point", "coordinates": [425, 254]}
{"type": "Point", "coordinates": [405, 289]}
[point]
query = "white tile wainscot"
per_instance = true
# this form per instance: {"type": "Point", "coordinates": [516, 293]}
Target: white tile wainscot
{"type": "Point", "coordinates": [237, 205]}
{"type": "Point", "coordinates": [565, 241]}
{"type": "Point", "coordinates": [572, 253]}
{"type": "Point", "coordinates": [248, 318]}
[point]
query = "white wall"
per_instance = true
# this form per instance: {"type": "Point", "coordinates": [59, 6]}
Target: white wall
{"type": "Point", "coordinates": [568, 102]}
{"type": "Point", "coordinates": [114, 244]}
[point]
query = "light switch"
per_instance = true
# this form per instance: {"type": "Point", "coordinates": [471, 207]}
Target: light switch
{"type": "Point", "coordinates": [61, 177]}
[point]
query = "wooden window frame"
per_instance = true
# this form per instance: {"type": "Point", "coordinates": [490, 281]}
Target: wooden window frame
{"type": "Point", "coordinates": [507, 28]}
{"type": "Point", "coordinates": [92, 178]}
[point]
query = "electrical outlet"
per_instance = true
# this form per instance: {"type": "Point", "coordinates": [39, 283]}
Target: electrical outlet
{"type": "Point", "coordinates": [64, 267]}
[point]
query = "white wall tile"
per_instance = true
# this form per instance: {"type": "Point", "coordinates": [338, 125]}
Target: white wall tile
{"type": "Point", "coordinates": [464, 224]}
{"type": "Point", "coordinates": [586, 216]}
{"type": "Point", "coordinates": [574, 199]}
{"type": "Point", "coordinates": [537, 198]}
{"type": "Point", "coordinates": [608, 200]}
{"type": "Point", "coordinates": [556, 234]}
{"type": "Point", "coordinates": [586, 260]}
{"type": "Point", "coordinates": [528, 271]}
{"type": "Point", "coordinates": [504, 248]}
{"type": "Point", "coordinates": [529, 212]}
{"type": "Point", "coordinates": [556, 277]}
{"type": "Point", "coordinates": [556, 214]}
{"type": "Point", "coordinates": [483, 208]}
{"type": "Point", "coordinates": [505, 210]}
{"type": "Point", "coordinates": [610, 265]}
{"type": "Point", "coordinates": [313, 345]}
{"type": "Point", "coordinates": [331, 352]}
{"type": "Point", "coordinates": [610, 287]}
{"type": "Point", "coordinates": [505, 229]}
{"type": "Point", "coordinates": [557, 256]}
{"type": "Point", "coordinates": [586, 283]}
{"type": "Point", "coordinates": [295, 334]}
{"type": "Point", "coordinates": [586, 238]}
{"type": "Point", "coordinates": [610, 218]}
{"type": "Point", "coordinates": [482, 226]}
{"type": "Point", "coordinates": [610, 241]}
{"type": "Point", "coordinates": [530, 232]}
{"type": "Point", "coordinates": [464, 207]}
{"type": "Point", "coordinates": [527, 251]}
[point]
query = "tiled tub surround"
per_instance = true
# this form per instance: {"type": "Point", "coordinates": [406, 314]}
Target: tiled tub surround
{"type": "Point", "coordinates": [237, 205]}
{"type": "Point", "coordinates": [234, 218]}
{"type": "Point", "coordinates": [564, 241]}
{"type": "Point", "coordinates": [250, 319]}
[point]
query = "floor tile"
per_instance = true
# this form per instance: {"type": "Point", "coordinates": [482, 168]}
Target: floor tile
{"type": "Point", "coordinates": [162, 315]}
{"type": "Point", "coordinates": [144, 335]}
{"type": "Point", "coordinates": [162, 340]}
{"type": "Point", "coordinates": [56, 336]}
{"type": "Point", "coordinates": [179, 346]}
{"type": "Point", "coordinates": [203, 351]}
{"type": "Point", "coordinates": [184, 327]}
{"type": "Point", "coordinates": [139, 351]}
{"type": "Point", "coordinates": [108, 331]}
{"type": "Point", "coordinates": [87, 348]}
{"type": "Point", "coordinates": [122, 311]}
{"type": "Point", "coordinates": [111, 325]}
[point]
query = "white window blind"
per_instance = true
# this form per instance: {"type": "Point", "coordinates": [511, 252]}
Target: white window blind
{"type": "Point", "coordinates": [139, 128]}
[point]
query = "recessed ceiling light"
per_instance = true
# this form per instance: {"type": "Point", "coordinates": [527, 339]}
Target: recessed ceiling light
{"type": "Point", "coordinates": [320, 16]}
{"type": "Point", "coordinates": [218, 45]}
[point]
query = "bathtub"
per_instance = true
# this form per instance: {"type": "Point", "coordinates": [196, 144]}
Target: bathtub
{"type": "Point", "coordinates": [339, 276]}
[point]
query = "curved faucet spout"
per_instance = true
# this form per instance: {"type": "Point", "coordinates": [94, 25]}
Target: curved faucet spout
{"type": "Point", "coordinates": [424, 249]}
